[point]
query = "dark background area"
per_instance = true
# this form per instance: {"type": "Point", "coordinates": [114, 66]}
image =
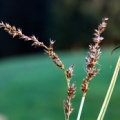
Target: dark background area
{"type": "Point", "coordinates": [31, 16]}
{"type": "Point", "coordinates": [70, 22]}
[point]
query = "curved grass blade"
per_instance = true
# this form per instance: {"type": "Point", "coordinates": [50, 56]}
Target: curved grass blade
{"type": "Point", "coordinates": [109, 92]}
{"type": "Point", "coordinates": [112, 53]}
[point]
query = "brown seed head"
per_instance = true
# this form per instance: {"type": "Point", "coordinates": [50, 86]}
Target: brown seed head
{"type": "Point", "coordinates": [71, 91]}
{"type": "Point", "coordinates": [69, 72]}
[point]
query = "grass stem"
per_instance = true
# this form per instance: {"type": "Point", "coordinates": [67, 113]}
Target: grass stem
{"type": "Point", "coordinates": [81, 106]}
{"type": "Point", "coordinates": [109, 92]}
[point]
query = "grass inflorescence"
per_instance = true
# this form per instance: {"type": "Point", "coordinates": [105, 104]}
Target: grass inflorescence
{"type": "Point", "coordinates": [90, 61]}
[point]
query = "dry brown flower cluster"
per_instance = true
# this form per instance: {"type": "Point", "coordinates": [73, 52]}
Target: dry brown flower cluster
{"type": "Point", "coordinates": [55, 58]}
{"type": "Point", "coordinates": [93, 56]}
{"type": "Point", "coordinates": [67, 104]}
{"type": "Point", "coordinates": [70, 92]}
{"type": "Point", "coordinates": [49, 50]}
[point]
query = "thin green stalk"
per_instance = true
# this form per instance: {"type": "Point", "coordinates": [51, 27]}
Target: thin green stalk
{"type": "Point", "coordinates": [109, 92]}
{"type": "Point", "coordinates": [81, 106]}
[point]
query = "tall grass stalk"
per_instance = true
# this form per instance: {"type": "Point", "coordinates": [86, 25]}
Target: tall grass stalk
{"type": "Point", "coordinates": [81, 106]}
{"type": "Point", "coordinates": [91, 61]}
{"type": "Point", "coordinates": [49, 50]}
{"type": "Point", "coordinates": [109, 92]}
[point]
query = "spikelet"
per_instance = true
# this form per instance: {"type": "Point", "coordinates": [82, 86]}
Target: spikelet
{"type": "Point", "coordinates": [93, 55]}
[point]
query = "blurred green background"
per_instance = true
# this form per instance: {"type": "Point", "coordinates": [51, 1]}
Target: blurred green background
{"type": "Point", "coordinates": [31, 86]}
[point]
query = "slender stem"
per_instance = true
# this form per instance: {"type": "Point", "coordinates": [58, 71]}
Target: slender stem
{"type": "Point", "coordinates": [81, 106]}
{"type": "Point", "coordinates": [68, 84]}
{"type": "Point", "coordinates": [109, 92]}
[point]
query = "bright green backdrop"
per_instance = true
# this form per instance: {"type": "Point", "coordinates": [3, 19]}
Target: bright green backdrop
{"type": "Point", "coordinates": [33, 88]}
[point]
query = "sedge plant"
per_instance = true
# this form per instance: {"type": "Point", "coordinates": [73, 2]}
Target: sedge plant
{"type": "Point", "coordinates": [91, 61]}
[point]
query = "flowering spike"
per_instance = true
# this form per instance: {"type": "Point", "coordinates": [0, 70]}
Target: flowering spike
{"type": "Point", "coordinates": [93, 56]}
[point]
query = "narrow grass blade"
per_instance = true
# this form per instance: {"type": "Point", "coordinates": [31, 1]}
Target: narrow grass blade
{"type": "Point", "coordinates": [109, 92]}
{"type": "Point", "coordinates": [81, 107]}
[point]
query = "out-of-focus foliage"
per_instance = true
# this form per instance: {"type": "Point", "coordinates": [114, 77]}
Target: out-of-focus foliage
{"type": "Point", "coordinates": [75, 20]}
{"type": "Point", "coordinates": [70, 22]}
